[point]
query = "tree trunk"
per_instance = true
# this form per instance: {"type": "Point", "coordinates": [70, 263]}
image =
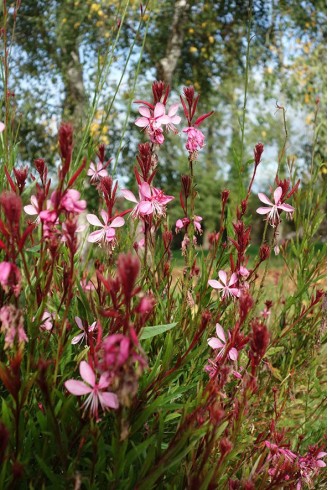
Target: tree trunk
{"type": "Point", "coordinates": [167, 65]}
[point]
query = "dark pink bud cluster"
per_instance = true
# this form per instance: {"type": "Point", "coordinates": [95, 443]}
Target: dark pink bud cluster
{"type": "Point", "coordinates": [259, 342]}
{"type": "Point", "coordinates": [258, 150]}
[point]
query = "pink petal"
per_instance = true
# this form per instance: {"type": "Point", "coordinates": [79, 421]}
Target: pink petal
{"type": "Point", "coordinates": [215, 343]}
{"type": "Point", "coordinates": [104, 216]}
{"type": "Point", "coordinates": [79, 323]}
{"type": "Point", "coordinates": [277, 195]}
{"type": "Point", "coordinates": [87, 373]}
{"type": "Point", "coordinates": [34, 201]}
{"type": "Point", "coordinates": [77, 388]}
{"type": "Point", "coordinates": [144, 190]}
{"type": "Point", "coordinates": [322, 454]}
{"type": "Point", "coordinates": [141, 122]}
{"type": "Point", "coordinates": [163, 120]}
{"type": "Point", "coordinates": [215, 284]}
{"type": "Point", "coordinates": [173, 109]}
{"type": "Point", "coordinates": [264, 198]}
{"type": "Point", "coordinates": [117, 222]}
{"type": "Point", "coordinates": [103, 381]}
{"type": "Point", "coordinates": [96, 236]}
{"type": "Point", "coordinates": [94, 220]}
{"type": "Point", "coordinates": [223, 277]}
{"type": "Point", "coordinates": [110, 234]}
{"type": "Point", "coordinates": [129, 195]}
{"type": "Point", "coordinates": [233, 354]}
{"type": "Point", "coordinates": [145, 207]}
{"type": "Point", "coordinates": [109, 400]}
{"type": "Point", "coordinates": [287, 208]}
{"type": "Point", "coordinates": [103, 173]}
{"type": "Point", "coordinates": [320, 463]}
{"type": "Point", "coordinates": [2, 127]}
{"type": "Point", "coordinates": [233, 279]}
{"type": "Point", "coordinates": [176, 120]}
{"type": "Point", "coordinates": [234, 292]}
{"type": "Point", "coordinates": [263, 210]}
{"type": "Point", "coordinates": [77, 338]}
{"type": "Point", "coordinates": [220, 332]}
{"type": "Point", "coordinates": [29, 209]}
{"type": "Point", "coordinates": [144, 111]}
{"type": "Point", "coordinates": [159, 110]}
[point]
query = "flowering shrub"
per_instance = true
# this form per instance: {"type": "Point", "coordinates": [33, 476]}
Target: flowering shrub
{"type": "Point", "coordinates": [193, 382]}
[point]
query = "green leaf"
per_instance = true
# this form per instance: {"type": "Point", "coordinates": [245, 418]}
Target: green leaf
{"type": "Point", "coordinates": [149, 332]}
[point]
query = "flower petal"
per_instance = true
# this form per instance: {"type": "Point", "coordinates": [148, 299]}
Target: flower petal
{"type": "Point", "coordinates": [96, 236]}
{"type": "Point", "coordinates": [77, 338]}
{"type": "Point", "coordinates": [173, 109]}
{"type": "Point", "coordinates": [141, 122]}
{"type": "Point", "coordinates": [87, 373]}
{"type": "Point", "coordinates": [220, 332]}
{"type": "Point", "coordinates": [79, 323]}
{"type": "Point", "coordinates": [233, 354]}
{"type": "Point", "coordinates": [223, 277]}
{"type": "Point", "coordinates": [144, 111]}
{"type": "Point", "coordinates": [215, 284]}
{"type": "Point", "coordinates": [215, 343]}
{"type": "Point", "coordinates": [77, 388]}
{"type": "Point", "coordinates": [159, 110]}
{"type": "Point", "coordinates": [29, 209]}
{"type": "Point", "coordinates": [287, 208]}
{"type": "Point", "coordinates": [262, 197]}
{"type": "Point", "coordinates": [117, 222]}
{"type": "Point", "coordinates": [277, 195]}
{"type": "Point", "coordinates": [263, 210]}
{"type": "Point", "coordinates": [145, 207]}
{"type": "Point", "coordinates": [234, 292]}
{"type": "Point", "coordinates": [104, 216]}
{"type": "Point", "coordinates": [129, 195]}
{"type": "Point", "coordinates": [94, 220]}
{"type": "Point", "coordinates": [104, 381]}
{"type": "Point", "coordinates": [233, 279]}
{"type": "Point", "coordinates": [108, 399]}
{"type": "Point", "coordinates": [145, 190]}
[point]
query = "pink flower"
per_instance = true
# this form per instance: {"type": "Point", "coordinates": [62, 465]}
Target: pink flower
{"type": "Point", "coordinates": [196, 139]}
{"type": "Point", "coordinates": [12, 325]}
{"type": "Point", "coordinates": [107, 231]}
{"type": "Point", "coordinates": [152, 121]}
{"type": "Point", "coordinates": [94, 390]}
{"type": "Point", "coordinates": [309, 466]}
{"type": "Point", "coordinates": [70, 201]}
{"type": "Point", "coordinates": [226, 287]}
{"type": "Point", "coordinates": [273, 209]}
{"type": "Point", "coordinates": [46, 321]}
{"type": "Point", "coordinates": [10, 277]}
{"type": "Point", "coordinates": [220, 343]}
{"type": "Point", "coordinates": [174, 119]}
{"type": "Point", "coordinates": [78, 338]}
{"type": "Point", "coordinates": [33, 209]}
{"type": "Point", "coordinates": [184, 222]}
{"type": "Point", "coordinates": [277, 451]}
{"type": "Point", "coordinates": [96, 172]}
{"type": "Point", "coordinates": [152, 201]}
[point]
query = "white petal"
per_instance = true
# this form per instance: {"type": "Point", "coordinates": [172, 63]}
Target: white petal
{"type": "Point", "coordinates": [117, 222]}
{"type": "Point", "coordinates": [277, 195]}
{"type": "Point", "coordinates": [264, 198]}
{"type": "Point", "coordinates": [223, 277]}
{"type": "Point", "coordinates": [129, 195]}
{"type": "Point", "coordinates": [87, 373]}
{"type": "Point", "coordinates": [220, 332]}
{"type": "Point", "coordinates": [94, 220]}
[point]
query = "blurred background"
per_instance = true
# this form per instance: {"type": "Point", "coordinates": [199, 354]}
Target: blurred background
{"type": "Point", "coordinates": [58, 51]}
